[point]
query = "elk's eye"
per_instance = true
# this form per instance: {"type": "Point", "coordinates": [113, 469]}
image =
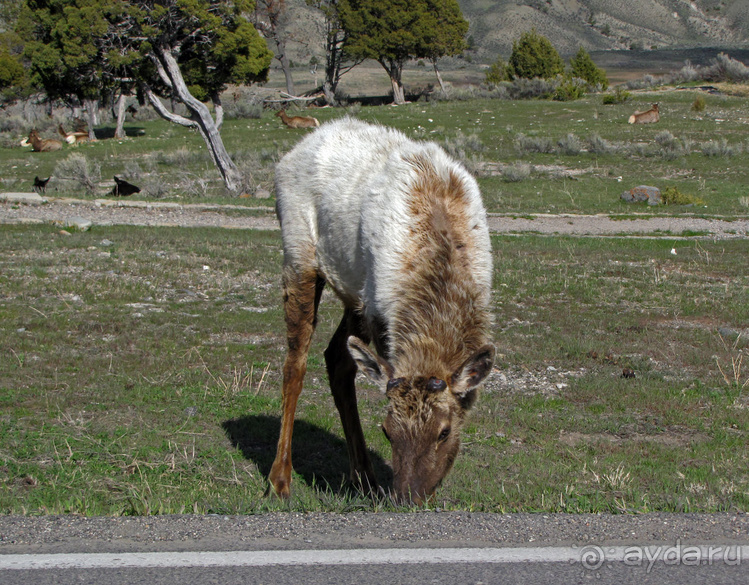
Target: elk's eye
{"type": "Point", "coordinates": [444, 434]}
{"type": "Point", "coordinates": [393, 382]}
{"type": "Point", "coordinates": [436, 385]}
{"type": "Point", "coordinates": [385, 432]}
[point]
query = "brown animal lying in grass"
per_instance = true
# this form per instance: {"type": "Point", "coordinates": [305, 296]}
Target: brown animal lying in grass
{"type": "Point", "coordinates": [297, 121]}
{"type": "Point", "coordinates": [46, 145]}
{"type": "Point", "coordinates": [649, 117]}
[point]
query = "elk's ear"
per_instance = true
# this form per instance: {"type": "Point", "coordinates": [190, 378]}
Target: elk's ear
{"type": "Point", "coordinates": [373, 366]}
{"type": "Point", "coordinates": [473, 371]}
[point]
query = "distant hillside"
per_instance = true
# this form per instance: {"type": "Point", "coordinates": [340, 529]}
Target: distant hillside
{"type": "Point", "coordinates": [607, 24]}
{"type": "Point", "coordinates": [597, 25]}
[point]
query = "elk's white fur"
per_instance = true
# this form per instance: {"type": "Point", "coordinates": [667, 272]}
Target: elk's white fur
{"type": "Point", "coordinates": [343, 192]}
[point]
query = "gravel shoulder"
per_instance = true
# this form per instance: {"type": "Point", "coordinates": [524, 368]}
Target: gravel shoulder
{"type": "Point", "coordinates": [24, 208]}
{"type": "Point", "coordinates": [59, 534]}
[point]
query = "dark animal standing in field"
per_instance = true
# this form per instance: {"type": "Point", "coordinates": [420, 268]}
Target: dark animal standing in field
{"type": "Point", "coordinates": [72, 138]}
{"type": "Point", "coordinates": [40, 185]}
{"type": "Point", "coordinates": [398, 231]}
{"type": "Point", "coordinates": [46, 145]}
{"type": "Point", "coordinates": [122, 188]}
{"type": "Point", "coordinates": [649, 117]}
{"type": "Point", "coordinates": [297, 121]}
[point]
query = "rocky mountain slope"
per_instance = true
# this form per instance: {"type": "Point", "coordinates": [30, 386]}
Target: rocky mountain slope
{"type": "Point", "coordinates": [597, 25]}
{"type": "Point", "coordinates": [608, 24]}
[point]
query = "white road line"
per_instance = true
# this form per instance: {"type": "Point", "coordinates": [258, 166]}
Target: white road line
{"type": "Point", "coordinates": [591, 557]}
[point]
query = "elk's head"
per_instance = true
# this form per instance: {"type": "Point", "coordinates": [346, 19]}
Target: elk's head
{"type": "Point", "coordinates": [425, 415]}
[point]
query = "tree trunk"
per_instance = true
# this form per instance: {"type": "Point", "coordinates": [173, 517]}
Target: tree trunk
{"type": "Point", "coordinates": [394, 68]}
{"type": "Point", "coordinates": [438, 74]}
{"type": "Point", "coordinates": [285, 65]}
{"type": "Point", "coordinates": [92, 113]}
{"type": "Point", "coordinates": [328, 92]}
{"type": "Point", "coordinates": [200, 117]}
{"type": "Point", "coordinates": [218, 108]}
{"type": "Point", "coordinates": [119, 132]}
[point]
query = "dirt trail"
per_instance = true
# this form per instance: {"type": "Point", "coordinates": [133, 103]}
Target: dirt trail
{"type": "Point", "coordinates": [23, 208]}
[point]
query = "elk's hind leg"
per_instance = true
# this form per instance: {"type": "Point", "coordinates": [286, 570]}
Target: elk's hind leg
{"type": "Point", "coordinates": [302, 292]}
{"type": "Point", "coordinates": [342, 374]}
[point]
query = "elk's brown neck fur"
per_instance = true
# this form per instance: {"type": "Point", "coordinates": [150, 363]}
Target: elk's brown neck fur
{"type": "Point", "coordinates": [438, 282]}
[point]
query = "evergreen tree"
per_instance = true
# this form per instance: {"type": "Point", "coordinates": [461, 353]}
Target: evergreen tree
{"type": "Point", "coordinates": [11, 71]}
{"type": "Point", "coordinates": [534, 56]}
{"type": "Point", "coordinates": [185, 50]}
{"type": "Point", "coordinates": [393, 31]}
{"type": "Point", "coordinates": [497, 72]}
{"type": "Point", "coordinates": [584, 68]}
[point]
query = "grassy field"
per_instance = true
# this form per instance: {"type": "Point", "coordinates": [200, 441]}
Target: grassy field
{"type": "Point", "coordinates": [530, 156]}
{"type": "Point", "coordinates": [139, 374]}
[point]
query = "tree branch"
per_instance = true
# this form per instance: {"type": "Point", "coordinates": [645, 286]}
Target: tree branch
{"type": "Point", "coordinates": [162, 110]}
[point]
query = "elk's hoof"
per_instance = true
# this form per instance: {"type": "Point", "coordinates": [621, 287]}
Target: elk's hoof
{"type": "Point", "coordinates": [281, 483]}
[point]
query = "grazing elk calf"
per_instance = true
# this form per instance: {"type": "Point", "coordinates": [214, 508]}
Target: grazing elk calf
{"type": "Point", "coordinates": [398, 230]}
{"type": "Point", "coordinates": [298, 121]}
{"type": "Point", "coordinates": [648, 117]}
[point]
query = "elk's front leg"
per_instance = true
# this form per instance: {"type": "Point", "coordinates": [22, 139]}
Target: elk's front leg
{"type": "Point", "coordinates": [342, 374]}
{"type": "Point", "coordinates": [301, 297]}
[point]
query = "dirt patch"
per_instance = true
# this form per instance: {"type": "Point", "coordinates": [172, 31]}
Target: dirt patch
{"type": "Point", "coordinates": [669, 438]}
{"type": "Point", "coordinates": [171, 214]}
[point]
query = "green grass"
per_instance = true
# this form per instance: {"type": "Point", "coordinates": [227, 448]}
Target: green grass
{"type": "Point", "coordinates": [142, 377]}
{"type": "Point", "coordinates": [706, 155]}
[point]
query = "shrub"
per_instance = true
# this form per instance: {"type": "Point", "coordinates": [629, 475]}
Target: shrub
{"type": "Point", "coordinates": [525, 144]}
{"type": "Point", "coordinates": [672, 196]}
{"type": "Point", "coordinates": [570, 145]}
{"type": "Point", "coordinates": [618, 97]}
{"type": "Point", "coordinates": [464, 148]}
{"type": "Point", "coordinates": [463, 143]}
{"type": "Point", "coordinates": [598, 145]}
{"type": "Point", "coordinates": [724, 68]}
{"type": "Point", "coordinates": [78, 170]}
{"type": "Point", "coordinates": [497, 72]}
{"type": "Point", "coordinates": [523, 88]}
{"type": "Point", "coordinates": [670, 146]}
{"type": "Point", "coordinates": [666, 139]}
{"type": "Point", "coordinates": [133, 172]}
{"type": "Point", "coordinates": [155, 186]}
{"type": "Point", "coordinates": [583, 67]}
{"type": "Point", "coordinates": [569, 90]}
{"type": "Point", "coordinates": [516, 172]}
{"type": "Point", "coordinates": [534, 56]}
{"type": "Point", "coordinates": [698, 105]}
{"type": "Point", "coordinates": [718, 148]}
{"type": "Point", "coordinates": [244, 109]}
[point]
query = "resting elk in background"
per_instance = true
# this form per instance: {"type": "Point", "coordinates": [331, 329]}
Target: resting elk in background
{"type": "Point", "coordinates": [297, 121]}
{"type": "Point", "coordinates": [649, 117]}
{"type": "Point", "coordinates": [398, 231]}
{"type": "Point", "coordinates": [43, 145]}
{"type": "Point", "coordinates": [73, 138]}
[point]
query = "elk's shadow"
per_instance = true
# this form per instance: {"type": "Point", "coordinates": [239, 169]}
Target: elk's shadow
{"type": "Point", "coordinates": [319, 457]}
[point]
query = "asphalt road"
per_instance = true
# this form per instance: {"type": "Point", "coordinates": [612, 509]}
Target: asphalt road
{"type": "Point", "coordinates": [426, 547]}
